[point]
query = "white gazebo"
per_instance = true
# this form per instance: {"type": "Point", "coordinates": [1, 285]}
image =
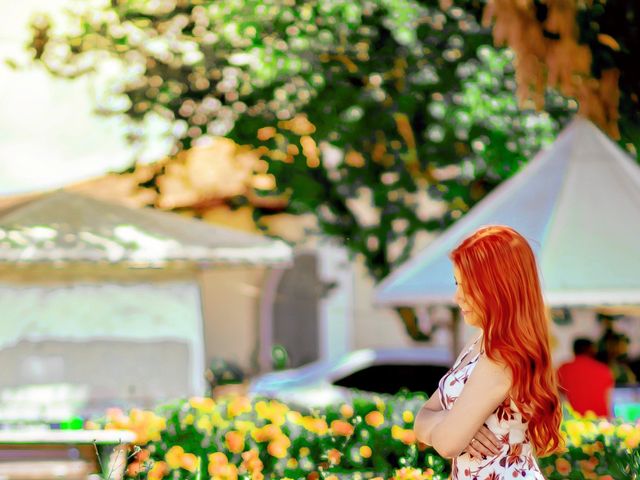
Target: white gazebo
{"type": "Point", "coordinates": [578, 204]}
{"type": "Point", "coordinates": [106, 296]}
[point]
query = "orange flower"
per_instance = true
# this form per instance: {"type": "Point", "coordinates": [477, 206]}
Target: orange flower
{"type": "Point", "coordinates": [134, 469]}
{"type": "Point", "coordinates": [563, 466]}
{"type": "Point", "coordinates": [220, 468]}
{"type": "Point", "coordinates": [334, 456]}
{"type": "Point", "coordinates": [218, 459]}
{"type": "Point", "coordinates": [225, 472]}
{"type": "Point", "coordinates": [143, 455]}
{"type": "Point", "coordinates": [251, 461]}
{"type": "Point", "coordinates": [190, 462]}
{"type": "Point", "coordinates": [265, 133]}
{"type": "Point", "coordinates": [238, 405]}
{"type": "Point", "coordinates": [346, 411]}
{"type": "Point", "coordinates": [158, 471]}
{"type": "Point", "coordinates": [340, 427]}
{"type": "Point", "coordinates": [234, 441]}
{"type": "Point", "coordinates": [408, 437]}
{"type": "Point", "coordinates": [375, 418]}
{"type": "Point", "coordinates": [268, 432]}
{"type": "Point", "coordinates": [278, 447]}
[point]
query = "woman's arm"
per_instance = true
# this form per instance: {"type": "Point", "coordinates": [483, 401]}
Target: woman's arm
{"type": "Point", "coordinates": [427, 417]}
{"type": "Point", "coordinates": [450, 431]}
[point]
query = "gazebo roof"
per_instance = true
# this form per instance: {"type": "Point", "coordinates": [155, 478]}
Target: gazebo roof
{"type": "Point", "coordinates": [64, 227]}
{"type": "Point", "coordinates": [578, 204]}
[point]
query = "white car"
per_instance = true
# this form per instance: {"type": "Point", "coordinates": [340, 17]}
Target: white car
{"type": "Point", "coordinates": [379, 370]}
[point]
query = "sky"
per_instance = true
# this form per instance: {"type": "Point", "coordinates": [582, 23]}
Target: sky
{"type": "Point", "coordinates": [49, 135]}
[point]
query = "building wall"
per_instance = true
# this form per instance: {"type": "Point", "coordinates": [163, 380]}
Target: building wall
{"type": "Point", "coordinates": [230, 302]}
{"type": "Point", "coordinates": [127, 339]}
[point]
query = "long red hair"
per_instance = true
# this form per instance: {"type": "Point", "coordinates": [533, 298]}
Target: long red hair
{"type": "Point", "coordinates": [498, 269]}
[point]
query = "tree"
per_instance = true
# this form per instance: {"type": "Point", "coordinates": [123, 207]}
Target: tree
{"type": "Point", "coordinates": [587, 50]}
{"type": "Point", "coordinates": [415, 101]}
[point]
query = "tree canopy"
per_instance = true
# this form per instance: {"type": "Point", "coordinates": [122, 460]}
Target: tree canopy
{"type": "Point", "coordinates": [363, 113]}
{"type": "Point", "coordinates": [413, 96]}
{"type": "Point", "coordinates": [586, 50]}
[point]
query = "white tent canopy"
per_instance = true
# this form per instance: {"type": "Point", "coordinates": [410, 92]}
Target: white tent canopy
{"type": "Point", "coordinates": [68, 227]}
{"type": "Point", "coordinates": [578, 205]}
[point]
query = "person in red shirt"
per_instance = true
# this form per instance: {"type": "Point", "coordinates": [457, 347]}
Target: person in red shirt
{"type": "Point", "coordinates": [585, 382]}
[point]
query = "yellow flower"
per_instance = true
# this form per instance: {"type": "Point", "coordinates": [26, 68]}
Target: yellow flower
{"type": "Point", "coordinates": [204, 424]}
{"type": "Point", "coordinates": [203, 404]}
{"type": "Point", "coordinates": [244, 426]}
{"type": "Point", "coordinates": [633, 439]}
{"type": "Point", "coordinates": [304, 451]}
{"type": "Point", "coordinates": [292, 463]}
{"type": "Point", "coordinates": [294, 416]}
{"type": "Point", "coordinates": [379, 404]}
{"type": "Point", "coordinates": [316, 425]}
{"type": "Point", "coordinates": [274, 411]}
{"type": "Point", "coordinates": [407, 416]}
{"type": "Point", "coordinates": [409, 473]}
{"type": "Point", "coordinates": [174, 456]}
{"type": "Point", "coordinates": [606, 428]}
{"type": "Point", "coordinates": [365, 451]}
{"type": "Point", "coordinates": [188, 419]}
{"type": "Point", "coordinates": [623, 430]}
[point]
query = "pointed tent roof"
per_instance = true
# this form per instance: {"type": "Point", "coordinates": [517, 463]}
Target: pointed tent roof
{"type": "Point", "coordinates": [578, 205]}
{"type": "Point", "coordinates": [68, 227]}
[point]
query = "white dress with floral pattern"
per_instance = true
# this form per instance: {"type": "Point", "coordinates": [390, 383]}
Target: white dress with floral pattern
{"type": "Point", "coordinates": [515, 460]}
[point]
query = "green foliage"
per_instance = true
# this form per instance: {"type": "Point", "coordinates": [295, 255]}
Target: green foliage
{"type": "Point", "coordinates": [418, 104]}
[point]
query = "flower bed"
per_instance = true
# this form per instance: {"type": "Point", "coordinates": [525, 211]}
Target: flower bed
{"type": "Point", "coordinates": [235, 438]}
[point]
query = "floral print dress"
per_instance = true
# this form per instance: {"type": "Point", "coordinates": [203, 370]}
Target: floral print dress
{"type": "Point", "coordinates": [515, 460]}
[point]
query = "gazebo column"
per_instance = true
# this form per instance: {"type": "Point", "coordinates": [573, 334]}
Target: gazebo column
{"type": "Point", "coordinates": [267, 303]}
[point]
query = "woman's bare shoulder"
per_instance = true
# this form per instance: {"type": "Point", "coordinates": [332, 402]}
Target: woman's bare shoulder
{"type": "Point", "coordinates": [494, 370]}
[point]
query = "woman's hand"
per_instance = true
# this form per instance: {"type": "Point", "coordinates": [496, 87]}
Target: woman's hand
{"type": "Point", "coordinates": [483, 444]}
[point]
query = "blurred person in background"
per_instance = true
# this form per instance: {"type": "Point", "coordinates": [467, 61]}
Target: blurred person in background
{"type": "Point", "coordinates": [585, 382]}
{"type": "Point", "coordinates": [613, 350]}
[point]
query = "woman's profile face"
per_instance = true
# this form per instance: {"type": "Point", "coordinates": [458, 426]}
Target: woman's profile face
{"type": "Point", "coordinates": [467, 306]}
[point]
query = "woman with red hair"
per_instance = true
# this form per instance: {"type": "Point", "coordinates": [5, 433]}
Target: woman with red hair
{"type": "Point", "coordinates": [498, 407]}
